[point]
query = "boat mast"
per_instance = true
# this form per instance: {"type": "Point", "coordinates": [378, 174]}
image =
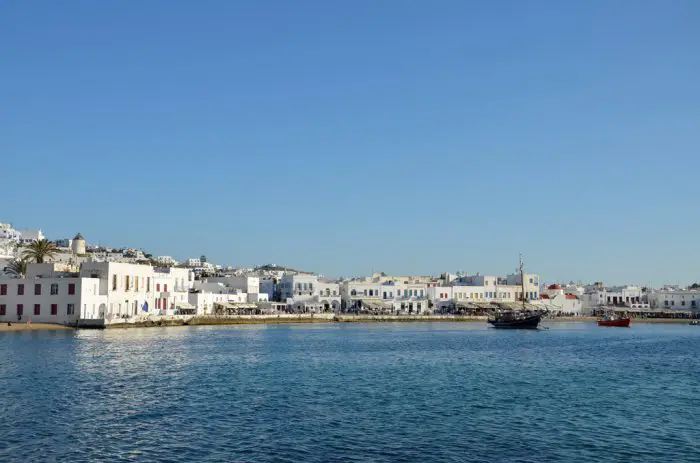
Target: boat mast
{"type": "Point", "coordinates": [522, 280]}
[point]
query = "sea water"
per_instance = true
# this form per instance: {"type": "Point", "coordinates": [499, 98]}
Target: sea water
{"type": "Point", "coordinates": [352, 392]}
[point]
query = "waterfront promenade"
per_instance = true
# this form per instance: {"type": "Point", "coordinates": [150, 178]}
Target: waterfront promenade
{"type": "Point", "coordinates": [185, 320]}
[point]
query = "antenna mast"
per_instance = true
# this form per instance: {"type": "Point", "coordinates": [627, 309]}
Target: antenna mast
{"type": "Point", "coordinates": [522, 279]}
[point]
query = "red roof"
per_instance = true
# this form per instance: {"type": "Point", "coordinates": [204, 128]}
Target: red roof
{"type": "Point", "coordinates": [554, 287]}
{"type": "Point", "coordinates": [571, 296]}
{"type": "Point", "coordinates": [545, 296]}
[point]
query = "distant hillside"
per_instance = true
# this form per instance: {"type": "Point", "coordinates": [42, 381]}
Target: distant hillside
{"type": "Point", "coordinates": [275, 267]}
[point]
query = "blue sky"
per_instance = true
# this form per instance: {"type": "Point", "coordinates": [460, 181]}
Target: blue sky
{"type": "Point", "coordinates": [346, 137]}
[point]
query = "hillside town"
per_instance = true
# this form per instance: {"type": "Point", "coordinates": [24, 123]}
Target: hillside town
{"type": "Point", "coordinates": [70, 282]}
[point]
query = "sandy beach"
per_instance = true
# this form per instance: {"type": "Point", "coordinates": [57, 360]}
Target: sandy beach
{"type": "Point", "coordinates": [32, 327]}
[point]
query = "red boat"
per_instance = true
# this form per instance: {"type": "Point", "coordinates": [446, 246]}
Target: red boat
{"type": "Point", "coordinates": [623, 322]}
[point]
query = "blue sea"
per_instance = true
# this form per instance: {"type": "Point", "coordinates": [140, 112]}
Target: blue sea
{"type": "Point", "coordinates": [352, 392]}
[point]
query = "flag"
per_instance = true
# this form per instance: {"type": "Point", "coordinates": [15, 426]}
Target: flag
{"type": "Point", "coordinates": [145, 307]}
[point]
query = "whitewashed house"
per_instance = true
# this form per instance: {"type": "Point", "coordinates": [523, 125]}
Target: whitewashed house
{"type": "Point", "coordinates": [560, 302]}
{"type": "Point", "coordinates": [48, 296]}
{"type": "Point", "coordinates": [684, 300]}
{"type": "Point", "coordinates": [306, 294]}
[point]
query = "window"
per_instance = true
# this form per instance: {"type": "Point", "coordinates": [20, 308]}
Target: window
{"type": "Point", "coordinates": [37, 289]}
{"type": "Point", "coordinates": [3, 290]}
{"type": "Point", "coordinates": [71, 309]}
{"type": "Point", "coordinates": [37, 309]}
{"type": "Point", "coordinates": [384, 294]}
{"type": "Point", "coordinates": [20, 290]}
{"type": "Point", "coordinates": [20, 309]}
{"type": "Point", "coordinates": [165, 287]}
{"type": "Point", "coordinates": [157, 287]}
{"type": "Point", "coordinates": [136, 283]}
{"type": "Point", "coordinates": [54, 309]}
{"type": "Point", "coordinates": [666, 303]}
{"type": "Point", "coordinates": [3, 309]}
{"type": "Point", "coordinates": [148, 284]}
{"type": "Point", "coordinates": [531, 281]}
{"type": "Point", "coordinates": [114, 282]}
{"type": "Point", "coordinates": [71, 288]}
{"type": "Point", "coordinates": [54, 289]}
{"type": "Point", "coordinates": [126, 283]}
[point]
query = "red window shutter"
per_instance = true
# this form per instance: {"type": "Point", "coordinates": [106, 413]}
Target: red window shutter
{"type": "Point", "coordinates": [3, 290]}
{"type": "Point", "coordinates": [71, 288]}
{"type": "Point", "coordinates": [20, 309]}
{"type": "Point", "coordinates": [20, 290]}
{"type": "Point", "coordinates": [158, 288]}
{"type": "Point", "coordinates": [165, 288]}
{"type": "Point", "coordinates": [37, 309]}
{"type": "Point", "coordinates": [3, 309]}
{"type": "Point", "coordinates": [37, 289]}
{"type": "Point", "coordinates": [54, 309]}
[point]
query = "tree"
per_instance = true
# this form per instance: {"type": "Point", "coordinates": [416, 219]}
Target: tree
{"type": "Point", "coordinates": [17, 268]}
{"type": "Point", "coordinates": [39, 251]}
{"type": "Point", "coordinates": [695, 286]}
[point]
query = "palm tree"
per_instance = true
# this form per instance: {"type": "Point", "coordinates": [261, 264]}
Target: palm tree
{"type": "Point", "coordinates": [17, 268]}
{"type": "Point", "coordinates": [38, 251]}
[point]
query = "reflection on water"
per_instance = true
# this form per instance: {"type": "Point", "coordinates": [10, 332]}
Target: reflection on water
{"type": "Point", "coordinates": [404, 391]}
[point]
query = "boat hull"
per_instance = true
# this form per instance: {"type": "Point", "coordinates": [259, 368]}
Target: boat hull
{"type": "Point", "coordinates": [621, 322]}
{"type": "Point", "coordinates": [527, 323]}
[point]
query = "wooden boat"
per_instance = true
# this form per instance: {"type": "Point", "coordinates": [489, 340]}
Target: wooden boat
{"type": "Point", "coordinates": [517, 319]}
{"type": "Point", "coordinates": [611, 321]}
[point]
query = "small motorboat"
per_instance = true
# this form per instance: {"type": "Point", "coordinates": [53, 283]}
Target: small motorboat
{"type": "Point", "coordinates": [615, 321]}
{"type": "Point", "coordinates": [694, 323]}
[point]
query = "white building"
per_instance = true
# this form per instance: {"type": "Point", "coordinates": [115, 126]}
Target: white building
{"type": "Point", "coordinates": [675, 299]}
{"type": "Point", "coordinates": [194, 262]}
{"type": "Point", "coordinates": [385, 295]}
{"type": "Point", "coordinates": [100, 293]}
{"type": "Point", "coordinates": [50, 297]}
{"type": "Point", "coordinates": [562, 303]}
{"type": "Point", "coordinates": [166, 261]}
{"type": "Point", "coordinates": [28, 236]}
{"type": "Point", "coordinates": [441, 297]}
{"type": "Point", "coordinates": [305, 293]}
{"type": "Point", "coordinates": [598, 295]}
{"type": "Point", "coordinates": [172, 286]}
{"type": "Point", "coordinates": [248, 284]}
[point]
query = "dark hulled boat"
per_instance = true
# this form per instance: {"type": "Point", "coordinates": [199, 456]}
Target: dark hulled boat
{"type": "Point", "coordinates": [516, 320]}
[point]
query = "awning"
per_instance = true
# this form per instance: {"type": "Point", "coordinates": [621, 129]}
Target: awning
{"type": "Point", "coordinates": [225, 305]}
{"type": "Point", "coordinates": [184, 305]}
{"type": "Point", "coordinates": [375, 305]}
{"type": "Point", "coordinates": [244, 306]}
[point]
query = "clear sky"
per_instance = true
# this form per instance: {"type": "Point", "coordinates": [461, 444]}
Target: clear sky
{"type": "Point", "coordinates": [348, 136]}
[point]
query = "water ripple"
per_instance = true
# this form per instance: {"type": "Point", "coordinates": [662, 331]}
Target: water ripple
{"type": "Point", "coordinates": [378, 392]}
